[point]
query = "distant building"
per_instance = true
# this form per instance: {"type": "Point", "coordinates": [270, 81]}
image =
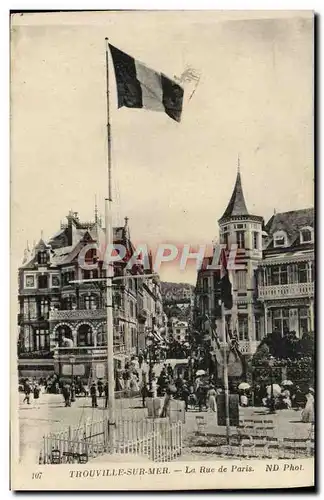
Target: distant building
{"type": "Point", "coordinates": [178, 330]}
{"type": "Point", "coordinates": [62, 319]}
{"type": "Point", "coordinates": [274, 290]}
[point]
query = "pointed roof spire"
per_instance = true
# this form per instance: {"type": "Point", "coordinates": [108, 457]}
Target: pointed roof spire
{"type": "Point", "coordinates": [236, 205]}
{"type": "Point", "coordinates": [238, 163]}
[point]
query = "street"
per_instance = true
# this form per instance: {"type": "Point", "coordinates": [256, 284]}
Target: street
{"type": "Point", "coordinates": [48, 414]}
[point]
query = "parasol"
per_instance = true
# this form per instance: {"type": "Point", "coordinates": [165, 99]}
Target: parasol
{"type": "Point", "coordinates": [287, 382]}
{"type": "Point", "coordinates": [243, 386]}
{"type": "Point", "coordinates": [276, 389]}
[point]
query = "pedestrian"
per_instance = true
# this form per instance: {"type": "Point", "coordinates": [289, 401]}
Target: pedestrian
{"type": "Point", "coordinates": [106, 389]}
{"type": "Point", "coordinates": [299, 399]}
{"type": "Point", "coordinates": [133, 383]}
{"type": "Point", "coordinates": [286, 399]}
{"type": "Point", "coordinates": [243, 399]}
{"type": "Point", "coordinates": [27, 391]}
{"type": "Point", "coordinates": [72, 392]}
{"type": "Point", "coordinates": [36, 391]}
{"type": "Point", "coordinates": [144, 390]}
{"type": "Point", "coordinates": [179, 384]}
{"type": "Point", "coordinates": [93, 394]}
{"type": "Point", "coordinates": [100, 388]}
{"type": "Point", "coordinates": [257, 396]}
{"type": "Point", "coordinates": [201, 396]}
{"type": "Point", "coordinates": [154, 386]}
{"type": "Point", "coordinates": [135, 363]}
{"type": "Point", "coordinates": [166, 404]}
{"type": "Point", "coordinates": [211, 399]}
{"type": "Point", "coordinates": [185, 395]}
{"type": "Point", "coordinates": [66, 391]}
{"type": "Point", "coordinates": [308, 412]}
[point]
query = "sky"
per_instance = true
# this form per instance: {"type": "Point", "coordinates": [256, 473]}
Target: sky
{"type": "Point", "coordinates": [173, 180]}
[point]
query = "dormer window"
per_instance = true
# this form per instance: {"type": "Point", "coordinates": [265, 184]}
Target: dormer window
{"type": "Point", "coordinates": [280, 239]}
{"type": "Point", "coordinates": [307, 235]}
{"type": "Point", "coordinates": [42, 257]}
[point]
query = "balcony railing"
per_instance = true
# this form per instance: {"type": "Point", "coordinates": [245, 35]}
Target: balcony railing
{"type": "Point", "coordinates": [79, 314]}
{"type": "Point", "coordinates": [92, 351]}
{"type": "Point", "coordinates": [32, 317]}
{"type": "Point", "coordinates": [286, 291]}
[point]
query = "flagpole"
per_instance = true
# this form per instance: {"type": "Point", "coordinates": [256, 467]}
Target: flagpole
{"type": "Point", "coordinates": [227, 419]}
{"type": "Point", "coordinates": [109, 276]}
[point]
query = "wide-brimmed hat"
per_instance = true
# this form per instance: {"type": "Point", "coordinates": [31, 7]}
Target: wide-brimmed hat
{"type": "Point", "coordinates": [311, 389]}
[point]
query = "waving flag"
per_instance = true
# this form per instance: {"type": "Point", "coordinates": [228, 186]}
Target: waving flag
{"type": "Point", "coordinates": [139, 86]}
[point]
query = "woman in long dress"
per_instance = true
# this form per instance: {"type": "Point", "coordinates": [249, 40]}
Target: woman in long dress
{"type": "Point", "coordinates": [308, 412]}
{"type": "Point", "coordinates": [211, 399]}
{"type": "Point", "coordinates": [133, 384]}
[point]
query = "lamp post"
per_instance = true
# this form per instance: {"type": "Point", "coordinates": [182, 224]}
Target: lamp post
{"type": "Point", "coordinates": [152, 358]}
{"type": "Point", "coordinates": [72, 360]}
{"type": "Point", "coordinates": [272, 400]}
{"type": "Point", "coordinates": [149, 344]}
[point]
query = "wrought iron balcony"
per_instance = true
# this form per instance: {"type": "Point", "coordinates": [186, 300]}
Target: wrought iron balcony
{"type": "Point", "coordinates": [78, 314]}
{"type": "Point", "coordinates": [89, 351]}
{"type": "Point", "coordinates": [286, 291]}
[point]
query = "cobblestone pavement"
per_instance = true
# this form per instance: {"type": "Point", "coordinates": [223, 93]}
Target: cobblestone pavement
{"type": "Point", "coordinates": [48, 414]}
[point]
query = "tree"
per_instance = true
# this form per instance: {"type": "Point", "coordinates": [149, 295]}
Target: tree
{"type": "Point", "coordinates": [261, 356]}
{"type": "Point", "coordinates": [289, 351]}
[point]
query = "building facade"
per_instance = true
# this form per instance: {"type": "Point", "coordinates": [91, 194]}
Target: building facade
{"type": "Point", "coordinates": [62, 319]}
{"type": "Point", "coordinates": [286, 275]}
{"type": "Point", "coordinates": [178, 330]}
{"type": "Point", "coordinates": [273, 287]}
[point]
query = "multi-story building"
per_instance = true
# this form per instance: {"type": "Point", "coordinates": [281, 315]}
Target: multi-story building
{"type": "Point", "coordinates": [62, 316]}
{"type": "Point", "coordinates": [286, 274]}
{"type": "Point", "coordinates": [178, 330]}
{"type": "Point", "coordinates": [274, 286]}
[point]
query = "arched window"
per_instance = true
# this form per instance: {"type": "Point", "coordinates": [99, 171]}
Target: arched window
{"type": "Point", "coordinates": [280, 239]}
{"type": "Point", "coordinates": [307, 235]}
{"type": "Point", "coordinates": [101, 335]}
{"type": "Point", "coordinates": [63, 332]}
{"type": "Point", "coordinates": [85, 337]}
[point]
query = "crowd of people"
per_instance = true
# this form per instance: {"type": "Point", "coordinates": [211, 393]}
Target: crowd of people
{"type": "Point", "coordinates": [195, 384]}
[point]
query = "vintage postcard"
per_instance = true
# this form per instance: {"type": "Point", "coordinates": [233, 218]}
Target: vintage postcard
{"type": "Point", "coordinates": [162, 250]}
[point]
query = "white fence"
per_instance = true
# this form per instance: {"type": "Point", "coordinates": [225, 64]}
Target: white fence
{"type": "Point", "coordinates": [159, 440]}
